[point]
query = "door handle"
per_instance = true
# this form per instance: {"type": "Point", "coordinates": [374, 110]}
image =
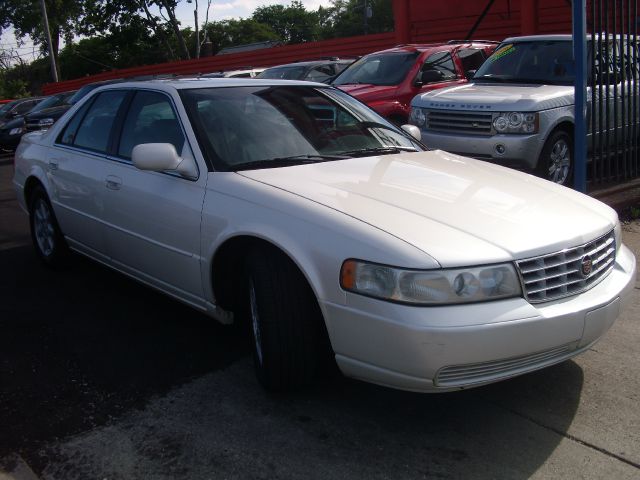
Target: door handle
{"type": "Point", "coordinates": [113, 183]}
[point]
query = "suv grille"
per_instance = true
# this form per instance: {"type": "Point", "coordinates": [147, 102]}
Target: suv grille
{"type": "Point", "coordinates": [561, 274]}
{"type": "Point", "coordinates": [479, 123]}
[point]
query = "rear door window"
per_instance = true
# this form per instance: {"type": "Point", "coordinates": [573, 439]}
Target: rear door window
{"type": "Point", "coordinates": [95, 128]}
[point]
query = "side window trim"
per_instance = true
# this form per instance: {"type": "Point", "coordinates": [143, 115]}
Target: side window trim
{"type": "Point", "coordinates": [118, 124]}
{"type": "Point", "coordinates": [88, 104]}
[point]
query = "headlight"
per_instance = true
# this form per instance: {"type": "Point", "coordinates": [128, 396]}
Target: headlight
{"type": "Point", "coordinates": [430, 287]}
{"type": "Point", "coordinates": [417, 117]}
{"type": "Point", "coordinates": [16, 131]}
{"type": "Point", "coordinates": [516, 122]}
{"type": "Point", "coordinates": [46, 122]}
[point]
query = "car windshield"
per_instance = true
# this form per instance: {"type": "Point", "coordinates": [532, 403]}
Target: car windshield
{"type": "Point", "coordinates": [241, 128]}
{"type": "Point", "coordinates": [284, 73]}
{"type": "Point", "coordinates": [378, 69]}
{"type": "Point", "coordinates": [6, 107]}
{"type": "Point", "coordinates": [544, 62]}
{"type": "Point", "coordinates": [52, 101]}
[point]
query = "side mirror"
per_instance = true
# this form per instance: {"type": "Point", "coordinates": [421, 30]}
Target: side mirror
{"type": "Point", "coordinates": [429, 76]}
{"type": "Point", "coordinates": [159, 157]}
{"type": "Point", "coordinates": [469, 74]}
{"type": "Point", "coordinates": [413, 131]}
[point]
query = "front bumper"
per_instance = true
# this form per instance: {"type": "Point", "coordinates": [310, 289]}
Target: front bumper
{"type": "Point", "coordinates": [520, 151]}
{"type": "Point", "coordinates": [435, 349]}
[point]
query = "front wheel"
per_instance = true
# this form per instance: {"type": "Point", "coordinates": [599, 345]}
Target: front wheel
{"type": "Point", "coordinates": [556, 160]}
{"type": "Point", "coordinates": [47, 238]}
{"type": "Point", "coordinates": [285, 321]}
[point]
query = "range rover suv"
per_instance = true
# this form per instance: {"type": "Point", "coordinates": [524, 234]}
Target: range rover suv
{"type": "Point", "coordinates": [517, 111]}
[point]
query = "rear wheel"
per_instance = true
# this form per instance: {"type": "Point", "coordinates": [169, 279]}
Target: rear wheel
{"type": "Point", "coordinates": [47, 238]}
{"type": "Point", "coordinates": [556, 160]}
{"type": "Point", "coordinates": [285, 321]}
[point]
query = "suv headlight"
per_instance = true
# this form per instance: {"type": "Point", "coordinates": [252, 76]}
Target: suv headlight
{"type": "Point", "coordinates": [417, 117]}
{"type": "Point", "coordinates": [16, 131]}
{"type": "Point", "coordinates": [516, 122]}
{"type": "Point", "coordinates": [430, 287]}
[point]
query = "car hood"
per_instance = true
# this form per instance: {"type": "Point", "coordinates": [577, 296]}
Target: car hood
{"type": "Point", "coordinates": [458, 210]}
{"type": "Point", "coordinates": [14, 123]}
{"type": "Point", "coordinates": [53, 112]}
{"type": "Point", "coordinates": [497, 97]}
{"type": "Point", "coordinates": [364, 91]}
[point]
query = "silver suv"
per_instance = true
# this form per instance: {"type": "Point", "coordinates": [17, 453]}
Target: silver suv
{"type": "Point", "coordinates": [517, 111]}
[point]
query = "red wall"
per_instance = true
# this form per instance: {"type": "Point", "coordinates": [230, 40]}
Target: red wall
{"type": "Point", "coordinates": [416, 21]}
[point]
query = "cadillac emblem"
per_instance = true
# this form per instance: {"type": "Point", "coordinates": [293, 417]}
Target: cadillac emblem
{"type": "Point", "coordinates": [586, 265]}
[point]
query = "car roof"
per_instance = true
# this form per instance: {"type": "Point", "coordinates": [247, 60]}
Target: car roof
{"type": "Point", "coordinates": [538, 38]}
{"type": "Point", "coordinates": [451, 45]}
{"type": "Point", "coordinates": [309, 63]}
{"type": "Point", "coordinates": [200, 82]}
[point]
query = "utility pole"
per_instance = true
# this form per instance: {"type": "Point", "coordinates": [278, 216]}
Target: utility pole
{"type": "Point", "coordinates": [54, 70]}
{"type": "Point", "coordinates": [195, 15]}
{"type": "Point", "coordinates": [367, 14]}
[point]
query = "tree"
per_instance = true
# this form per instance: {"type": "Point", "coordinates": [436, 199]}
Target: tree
{"type": "Point", "coordinates": [346, 18]}
{"type": "Point", "coordinates": [293, 23]}
{"type": "Point", "coordinates": [26, 18]}
{"type": "Point", "coordinates": [229, 33]}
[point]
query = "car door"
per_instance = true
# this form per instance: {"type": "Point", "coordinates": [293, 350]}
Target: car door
{"type": "Point", "coordinates": [77, 170]}
{"type": "Point", "coordinates": [153, 218]}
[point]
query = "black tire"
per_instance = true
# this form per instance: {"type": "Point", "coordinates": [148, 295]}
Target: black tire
{"type": "Point", "coordinates": [555, 163]}
{"type": "Point", "coordinates": [285, 322]}
{"type": "Point", "coordinates": [50, 245]}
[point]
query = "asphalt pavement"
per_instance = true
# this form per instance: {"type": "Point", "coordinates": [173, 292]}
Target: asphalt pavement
{"type": "Point", "coordinates": [103, 378]}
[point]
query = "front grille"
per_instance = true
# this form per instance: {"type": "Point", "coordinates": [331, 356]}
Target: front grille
{"type": "Point", "coordinates": [33, 127]}
{"type": "Point", "coordinates": [461, 375]}
{"type": "Point", "coordinates": [480, 123]}
{"type": "Point", "coordinates": [558, 275]}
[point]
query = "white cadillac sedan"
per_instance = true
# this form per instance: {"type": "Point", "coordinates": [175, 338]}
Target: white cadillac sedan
{"type": "Point", "coordinates": [296, 209]}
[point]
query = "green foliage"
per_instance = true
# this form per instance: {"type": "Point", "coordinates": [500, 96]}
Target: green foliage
{"type": "Point", "coordinates": [293, 23]}
{"type": "Point", "coordinates": [345, 18]}
{"type": "Point", "coordinates": [127, 33]}
{"type": "Point", "coordinates": [228, 33]}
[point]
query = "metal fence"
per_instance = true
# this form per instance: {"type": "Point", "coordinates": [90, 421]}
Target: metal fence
{"type": "Point", "coordinates": [612, 115]}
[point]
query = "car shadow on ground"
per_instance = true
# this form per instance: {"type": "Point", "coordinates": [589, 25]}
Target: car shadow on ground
{"type": "Point", "coordinates": [81, 346]}
{"type": "Point", "coordinates": [84, 347]}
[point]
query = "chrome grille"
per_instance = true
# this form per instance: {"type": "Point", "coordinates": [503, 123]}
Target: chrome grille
{"type": "Point", "coordinates": [480, 123]}
{"type": "Point", "coordinates": [471, 373]}
{"type": "Point", "coordinates": [558, 275]}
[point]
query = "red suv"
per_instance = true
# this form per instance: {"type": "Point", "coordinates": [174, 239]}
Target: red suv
{"type": "Point", "coordinates": [389, 79]}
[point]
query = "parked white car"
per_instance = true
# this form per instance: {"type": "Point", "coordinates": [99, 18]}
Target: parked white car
{"type": "Point", "coordinates": [296, 208]}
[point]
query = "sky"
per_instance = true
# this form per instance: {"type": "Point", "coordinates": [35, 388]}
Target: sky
{"type": "Point", "coordinates": [220, 10]}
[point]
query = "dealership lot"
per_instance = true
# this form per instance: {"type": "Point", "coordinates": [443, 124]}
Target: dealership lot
{"type": "Point", "coordinates": [103, 378]}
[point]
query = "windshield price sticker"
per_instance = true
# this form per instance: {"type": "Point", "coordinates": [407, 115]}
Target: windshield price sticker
{"type": "Point", "coordinates": [502, 52]}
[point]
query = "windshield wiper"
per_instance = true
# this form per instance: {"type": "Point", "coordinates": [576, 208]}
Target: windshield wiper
{"type": "Point", "coordinates": [287, 161]}
{"type": "Point", "coordinates": [386, 150]}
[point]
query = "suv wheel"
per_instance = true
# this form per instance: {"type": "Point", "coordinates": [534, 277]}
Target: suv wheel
{"type": "Point", "coordinates": [556, 160]}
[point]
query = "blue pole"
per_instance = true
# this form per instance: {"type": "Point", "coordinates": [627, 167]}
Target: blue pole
{"type": "Point", "coordinates": [579, 9]}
